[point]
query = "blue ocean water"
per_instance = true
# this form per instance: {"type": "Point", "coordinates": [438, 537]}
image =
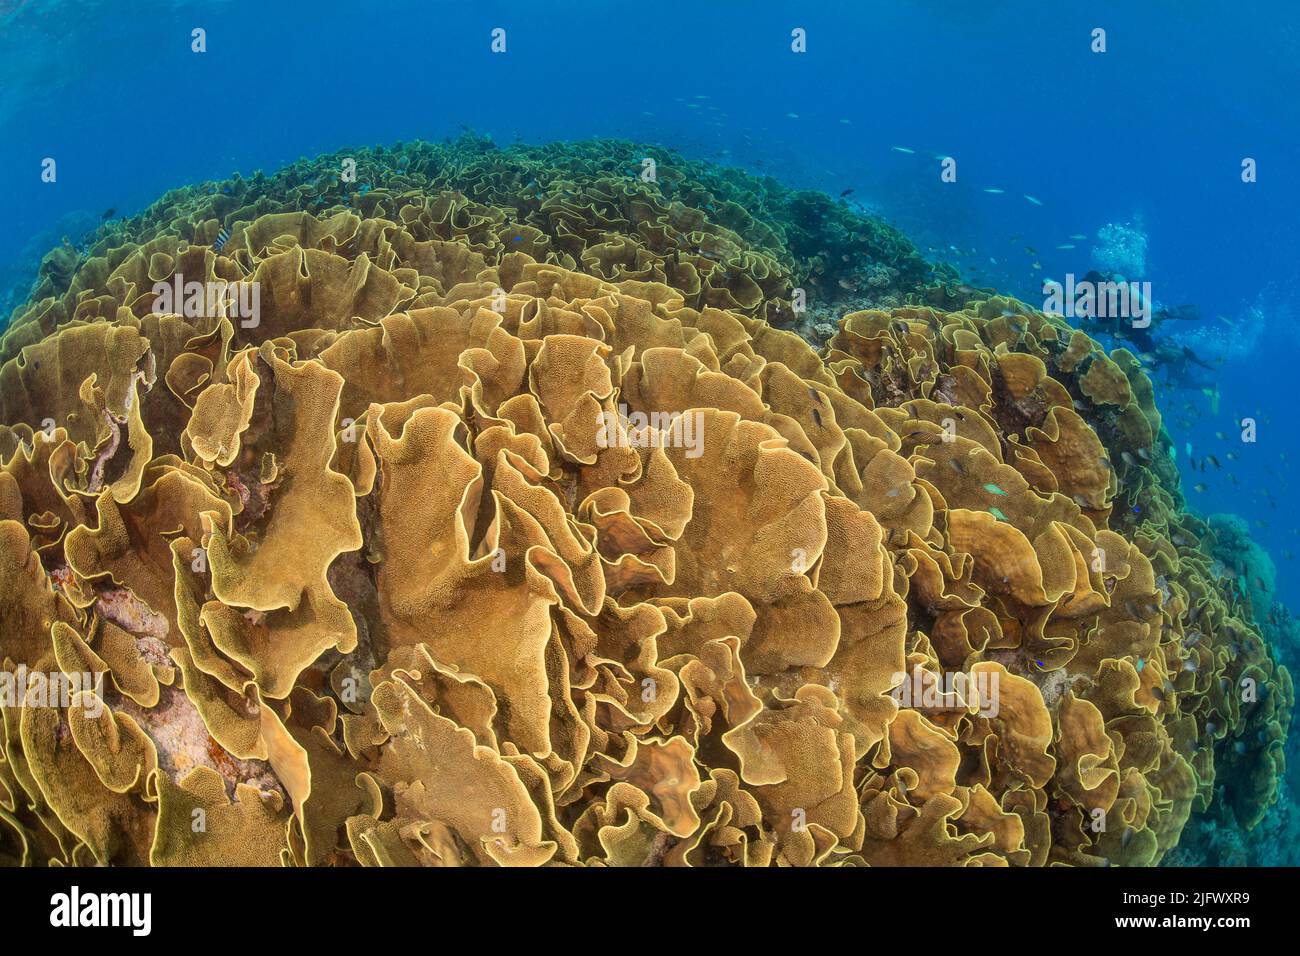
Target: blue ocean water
{"type": "Point", "coordinates": [1145, 140]}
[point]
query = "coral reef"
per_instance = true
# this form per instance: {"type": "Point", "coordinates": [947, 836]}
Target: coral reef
{"type": "Point", "coordinates": [1242, 563]}
{"type": "Point", "coordinates": [614, 209]}
{"type": "Point", "coordinates": [1212, 837]}
{"type": "Point", "coordinates": [514, 532]}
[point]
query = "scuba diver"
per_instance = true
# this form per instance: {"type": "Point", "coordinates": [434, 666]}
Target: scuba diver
{"type": "Point", "coordinates": [1164, 353]}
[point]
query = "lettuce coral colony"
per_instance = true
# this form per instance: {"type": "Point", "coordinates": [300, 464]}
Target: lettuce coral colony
{"type": "Point", "coordinates": [371, 587]}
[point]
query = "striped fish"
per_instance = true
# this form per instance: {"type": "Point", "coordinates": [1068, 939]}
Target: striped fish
{"type": "Point", "coordinates": [223, 237]}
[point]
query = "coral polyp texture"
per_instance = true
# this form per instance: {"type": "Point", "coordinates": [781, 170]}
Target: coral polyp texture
{"type": "Point", "coordinates": [512, 531]}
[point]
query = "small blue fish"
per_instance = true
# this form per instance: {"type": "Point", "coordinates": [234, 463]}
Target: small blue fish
{"type": "Point", "coordinates": [994, 489]}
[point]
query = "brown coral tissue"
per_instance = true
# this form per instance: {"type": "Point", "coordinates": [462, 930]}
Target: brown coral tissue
{"type": "Point", "coordinates": [493, 521]}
